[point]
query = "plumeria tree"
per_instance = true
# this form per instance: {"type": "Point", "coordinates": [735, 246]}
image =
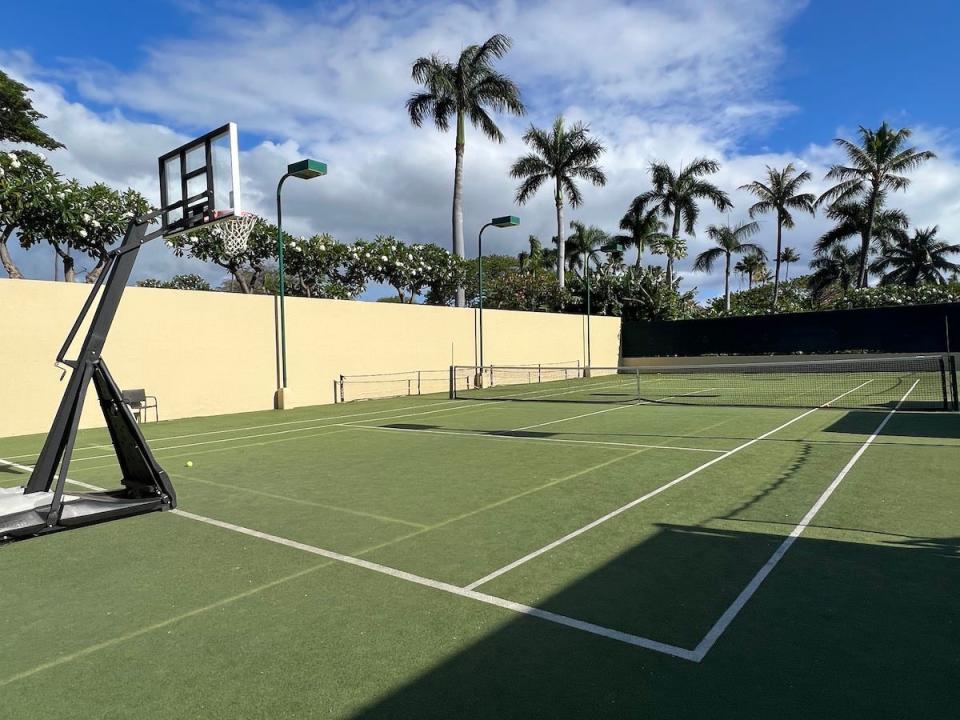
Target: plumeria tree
{"type": "Point", "coordinates": [188, 281]}
{"type": "Point", "coordinates": [85, 220]}
{"type": "Point", "coordinates": [320, 266]}
{"type": "Point", "coordinates": [409, 269]}
{"type": "Point", "coordinates": [246, 267]}
{"type": "Point", "coordinates": [99, 219]}
{"type": "Point", "coordinates": [533, 289]}
{"type": "Point", "coordinates": [18, 118]}
{"type": "Point", "coordinates": [27, 186]}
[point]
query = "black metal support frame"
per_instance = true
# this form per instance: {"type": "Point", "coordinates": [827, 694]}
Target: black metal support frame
{"type": "Point", "coordinates": [145, 485]}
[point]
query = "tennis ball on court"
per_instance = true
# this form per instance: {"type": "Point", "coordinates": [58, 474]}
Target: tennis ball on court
{"type": "Point", "coordinates": [189, 463]}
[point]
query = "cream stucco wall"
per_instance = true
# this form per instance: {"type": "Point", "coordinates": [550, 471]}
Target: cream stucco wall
{"type": "Point", "coordinates": [214, 353]}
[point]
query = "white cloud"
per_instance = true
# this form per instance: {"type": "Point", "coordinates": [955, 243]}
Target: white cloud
{"type": "Point", "coordinates": [657, 81]}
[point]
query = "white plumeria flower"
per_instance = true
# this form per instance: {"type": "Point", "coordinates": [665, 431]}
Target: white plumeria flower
{"type": "Point", "coordinates": [12, 156]}
{"type": "Point", "coordinates": [382, 257]}
{"type": "Point", "coordinates": [95, 224]}
{"type": "Point", "coordinates": [1, 172]}
{"type": "Point", "coordinates": [14, 164]}
{"type": "Point", "coordinates": [83, 233]}
{"type": "Point", "coordinates": [323, 247]}
{"type": "Point", "coordinates": [86, 217]}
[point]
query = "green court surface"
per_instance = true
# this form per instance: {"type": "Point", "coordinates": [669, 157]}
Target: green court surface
{"type": "Point", "coordinates": [425, 557]}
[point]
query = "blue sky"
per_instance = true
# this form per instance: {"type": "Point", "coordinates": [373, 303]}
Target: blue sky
{"type": "Point", "coordinates": [749, 82]}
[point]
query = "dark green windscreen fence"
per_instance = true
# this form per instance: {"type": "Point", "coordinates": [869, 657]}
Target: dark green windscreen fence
{"type": "Point", "coordinates": [911, 329]}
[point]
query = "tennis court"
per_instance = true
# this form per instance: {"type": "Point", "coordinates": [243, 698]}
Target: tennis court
{"type": "Point", "coordinates": [589, 550]}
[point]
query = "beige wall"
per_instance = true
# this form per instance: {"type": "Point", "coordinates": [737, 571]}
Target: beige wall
{"type": "Point", "coordinates": [214, 353]}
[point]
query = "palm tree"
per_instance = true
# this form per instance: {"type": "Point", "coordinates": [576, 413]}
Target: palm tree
{"type": "Point", "coordinates": [644, 227]}
{"type": "Point", "coordinates": [675, 195]}
{"type": "Point", "coordinates": [836, 266]}
{"type": "Point", "coordinates": [560, 154]}
{"type": "Point", "coordinates": [583, 245]}
{"type": "Point", "coordinates": [787, 256]}
{"type": "Point", "coordinates": [730, 241]}
{"type": "Point", "coordinates": [469, 88]}
{"type": "Point", "coordinates": [916, 260]}
{"type": "Point", "coordinates": [532, 259]}
{"type": "Point", "coordinates": [781, 194]}
{"type": "Point", "coordinates": [851, 220]}
{"type": "Point", "coordinates": [753, 266]}
{"type": "Point", "coordinates": [876, 165]}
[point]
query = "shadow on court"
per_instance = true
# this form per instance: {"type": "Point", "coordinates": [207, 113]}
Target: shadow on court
{"type": "Point", "coordinates": [928, 425]}
{"type": "Point", "coordinates": [839, 629]}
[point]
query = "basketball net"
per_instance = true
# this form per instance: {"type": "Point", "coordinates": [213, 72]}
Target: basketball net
{"type": "Point", "coordinates": [234, 232]}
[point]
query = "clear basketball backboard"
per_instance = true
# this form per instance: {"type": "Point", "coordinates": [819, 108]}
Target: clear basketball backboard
{"type": "Point", "coordinates": [200, 181]}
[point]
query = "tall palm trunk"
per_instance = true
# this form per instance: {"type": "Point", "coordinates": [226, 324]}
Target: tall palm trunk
{"type": "Point", "coordinates": [458, 203]}
{"type": "Point", "coordinates": [776, 271]}
{"type": "Point", "coordinates": [13, 272]}
{"type": "Point", "coordinates": [561, 245]}
{"type": "Point", "coordinates": [862, 275]}
{"type": "Point", "coordinates": [726, 284]}
{"type": "Point", "coordinates": [639, 263]}
{"type": "Point", "coordinates": [676, 237]}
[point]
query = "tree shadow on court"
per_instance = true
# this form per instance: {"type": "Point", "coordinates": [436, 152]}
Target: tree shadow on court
{"type": "Point", "coordinates": [910, 424]}
{"type": "Point", "coordinates": [838, 629]}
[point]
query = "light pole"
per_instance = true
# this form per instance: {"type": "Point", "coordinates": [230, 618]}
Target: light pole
{"type": "Point", "coordinates": [305, 170]}
{"type": "Point", "coordinates": [610, 247]}
{"type": "Point", "coordinates": [500, 222]}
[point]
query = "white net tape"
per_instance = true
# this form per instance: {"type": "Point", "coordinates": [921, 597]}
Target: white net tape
{"type": "Point", "coordinates": [234, 232]}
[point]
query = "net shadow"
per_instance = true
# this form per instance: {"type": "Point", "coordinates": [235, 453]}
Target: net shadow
{"type": "Point", "coordinates": [926, 425]}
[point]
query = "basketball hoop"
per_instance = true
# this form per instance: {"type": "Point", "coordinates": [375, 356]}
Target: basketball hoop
{"type": "Point", "coordinates": [234, 231]}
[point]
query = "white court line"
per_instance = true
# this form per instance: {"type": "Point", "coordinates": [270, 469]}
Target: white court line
{"type": "Point", "coordinates": [589, 627]}
{"type": "Point", "coordinates": [245, 428]}
{"type": "Point", "coordinates": [240, 438]}
{"type": "Point", "coordinates": [653, 493]}
{"type": "Point", "coordinates": [731, 612]}
{"type": "Point", "coordinates": [606, 410]}
{"type": "Point", "coordinates": [502, 436]}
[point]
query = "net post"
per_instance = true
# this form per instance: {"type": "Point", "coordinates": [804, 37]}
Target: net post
{"type": "Point", "coordinates": [418, 382]}
{"type": "Point", "coordinates": [638, 384]}
{"type": "Point", "coordinates": [539, 373]}
{"type": "Point", "coordinates": [453, 383]}
{"type": "Point", "coordinates": [952, 359]}
{"type": "Point", "coordinates": [342, 397]}
{"type": "Point", "coordinates": [943, 383]}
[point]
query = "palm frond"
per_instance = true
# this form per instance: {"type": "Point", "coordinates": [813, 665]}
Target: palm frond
{"type": "Point", "coordinates": [706, 260]}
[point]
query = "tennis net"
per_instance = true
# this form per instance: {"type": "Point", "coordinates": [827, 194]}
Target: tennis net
{"type": "Point", "coordinates": [858, 383]}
